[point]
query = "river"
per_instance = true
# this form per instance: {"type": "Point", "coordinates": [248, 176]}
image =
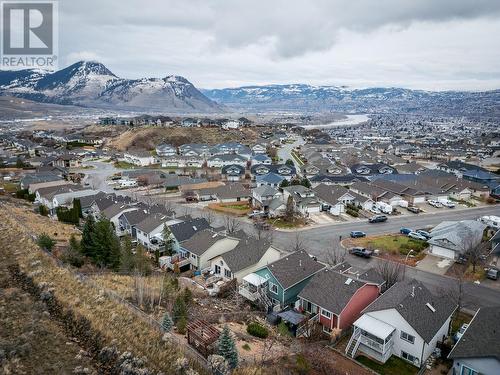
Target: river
{"type": "Point", "coordinates": [349, 121]}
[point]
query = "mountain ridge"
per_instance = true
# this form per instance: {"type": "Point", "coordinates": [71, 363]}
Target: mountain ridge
{"type": "Point", "coordinates": [91, 84]}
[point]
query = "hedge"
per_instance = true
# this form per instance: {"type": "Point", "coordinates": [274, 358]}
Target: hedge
{"type": "Point", "coordinates": [257, 330]}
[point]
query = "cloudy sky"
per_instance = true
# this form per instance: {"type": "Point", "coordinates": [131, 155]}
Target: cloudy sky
{"type": "Point", "coordinates": [428, 44]}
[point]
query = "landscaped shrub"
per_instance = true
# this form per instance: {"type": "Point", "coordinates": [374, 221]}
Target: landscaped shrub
{"type": "Point", "coordinates": [257, 330]}
{"type": "Point", "coordinates": [351, 212]}
{"type": "Point", "coordinates": [45, 242]}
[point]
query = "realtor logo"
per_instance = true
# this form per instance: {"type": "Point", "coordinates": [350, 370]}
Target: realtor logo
{"type": "Point", "coordinates": [29, 38]}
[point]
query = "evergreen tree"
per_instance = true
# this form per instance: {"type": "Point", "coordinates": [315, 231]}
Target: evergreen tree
{"type": "Point", "coordinates": [167, 322]}
{"type": "Point", "coordinates": [127, 258]}
{"type": "Point", "coordinates": [87, 243]}
{"type": "Point", "coordinates": [227, 348]}
{"type": "Point", "coordinates": [105, 245]}
{"type": "Point", "coordinates": [284, 183]}
{"type": "Point", "coordinates": [46, 242]}
{"type": "Point", "coordinates": [73, 254]}
{"type": "Point", "coordinates": [289, 162]}
{"type": "Point", "coordinates": [179, 310]}
{"type": "Point", "coordinates": [77, 206]}
{"type": "Point", "coordinates": [305, 182]}
{"type": "Point", "coordinates": [187, 295]}
{"type": "Point", "coordinates": [169, 241]}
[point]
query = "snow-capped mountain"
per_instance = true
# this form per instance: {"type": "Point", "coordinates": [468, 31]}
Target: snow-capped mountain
{"type": "Point", "coordinates": [91, 84]}
{"type": "Point", "coordinates": [307, 98]}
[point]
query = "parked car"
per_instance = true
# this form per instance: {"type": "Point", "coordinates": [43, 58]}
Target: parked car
{"type": "Point", "coordinates": [256, 213]}
{"type": "Point", "coordinates": [424, 233]}
{"type": "Point", "coordinates": [492, 274]}
{"type": "Point", "coordinates": [404, 230]}
{"type": "Point", "coordinates": [448, 204]}
{"type": "Point", "coordinates": [374, 210]}
{"type": "Point", "coordinates": [413, 209]}
{"type": "Point", "coordinates": [361, 252]}
{"type": "Point", "coordinates": [377, 219]}
{"type": "Point", "coordinates": [417, 236]}
{"type": "Point", "coordinates": [357, 234]}
{"type": "Point", "coordinates": [435, 204]}
{"type": "Point", "coordinates": [460, 331]}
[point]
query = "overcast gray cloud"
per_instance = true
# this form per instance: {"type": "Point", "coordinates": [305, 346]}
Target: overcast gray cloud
{"type": "Point", "coordinates": [445, 44]}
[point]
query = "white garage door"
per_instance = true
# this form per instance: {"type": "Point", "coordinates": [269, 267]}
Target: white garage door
{"type": "Point", "coordinates": [418, 200]}
{"type": "Point", "coordinates": [442, 252]}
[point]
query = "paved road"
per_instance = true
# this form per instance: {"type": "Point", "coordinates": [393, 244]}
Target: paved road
{"type": "Point", "coordinates": [318, 241]}
{"type": "Point", "coordinates": [285, 151]}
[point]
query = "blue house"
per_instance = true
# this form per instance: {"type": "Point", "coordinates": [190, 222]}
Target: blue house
{"type": "Point", "coordinates": [287, 277]}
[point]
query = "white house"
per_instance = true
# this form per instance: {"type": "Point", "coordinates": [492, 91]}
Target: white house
{"type": "Point", "coordinates": [140, 158]}
{"type": "Point", "coordinates": [164, 149]}
{"type": "Point", "coordinates": [248, 256]}
{"type": "Point", "coordinates": [206, 245]}
{"type": "Point", "coordinates": [219, 161]}
{"type": "Point", "coordinates": [66, 199]}
{"type": "Point", "coordinates": [149, 231]}
{"type": "Point", "coordinates": [451, 239]}
{"type": "Point", "coordinates": [406, 321]}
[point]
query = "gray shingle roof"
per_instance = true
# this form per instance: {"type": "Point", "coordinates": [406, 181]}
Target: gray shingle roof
{"type": "Point", "coordinates": [331, 194]}
{"type": "Point", "coordinates": [294, 268]}
{"type": "Point", "coordinates": [247, 253]}
{"type": "Point", "coordinates": [457, 235]}
{"type": "Point", "coordinates": [115, 209]}
{"type": "Point", "coordinates": [481, 337]}
{"type": "Point", "coordinates": [328, 289]}
{"type": "Point", "coordinates": [152, 222]}
{"type": "Point", "coordinates": [202, 241]}
{"type": "Point", "coordinates": [134, 217]}
{"type": "Point", "coordinates": [185, 230]}
{"type": "Point", "coordinates": [409, 298]}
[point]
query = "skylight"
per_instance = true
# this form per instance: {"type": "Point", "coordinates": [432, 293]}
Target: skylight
{"type": "Point", "coordinates": [430, 307]}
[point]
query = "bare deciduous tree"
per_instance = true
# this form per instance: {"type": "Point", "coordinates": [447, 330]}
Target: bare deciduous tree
{"type": "Point", "coordinates": [232, 224]}
{"type": "Point", "coordinates": [391, 272]}
{"type": "Point", "coordinates": [298, 244]}
{"type": "Point", "coordinates": [336, 254]}
{"type": "Point", "coordinates": [209, 216]}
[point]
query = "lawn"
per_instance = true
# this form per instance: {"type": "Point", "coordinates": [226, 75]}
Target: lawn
{"type": "Point", "coordinates": [243, 206]}
{"type": "Point", "coordinates": [10, 187]}
{"type": "Point", "coordinates": [394, 244]}
{"type": "Point", "coordinates": [123, 165]}
{"type": "Point", "coordinates": [296, 158]}
{"type": "Point", "coordinates": [283, 224]}
{"type": "Point", "coordinates": [233, 208]}
{"type": "Point", "coordinates": [393, 366]}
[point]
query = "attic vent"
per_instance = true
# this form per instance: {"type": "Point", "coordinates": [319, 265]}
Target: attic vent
{"type": "Point", "coordinates": [348, 281]}
{"type": "Point", "coordinates": [214, 235]}
{"type": "Point", "coordinates": [194, 228]}
{"type": "Point", "coordinates": [430, 307]}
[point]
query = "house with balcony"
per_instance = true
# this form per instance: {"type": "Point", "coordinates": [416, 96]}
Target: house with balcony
{"type": "Point", "coordinates": [282, 280]}
{"type": "Point", "coordinates": [249, 255]}
{"type": "Point", "coordinates": [304, 199]}
{"type": "Point", "coordinates": [406, 321]}
{"type": "Point", "coordinates": [204, 246]}
{"type": "Point", "coordinates": [338, 298]}
{"type": "Point", "coordinates": [150, 231]}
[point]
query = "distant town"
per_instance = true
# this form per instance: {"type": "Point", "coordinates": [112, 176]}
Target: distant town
{"type": "Point", "coordinates": [245, 242]}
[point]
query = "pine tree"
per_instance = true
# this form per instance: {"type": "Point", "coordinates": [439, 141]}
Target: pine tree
{"type": "Point", "coordinates": [77, 206]}
{"type": "Point", "coordinates": [87, 243]}
{"type": "Point", "coordinates": [127, 261]}
{"type": "Point", "coordinates": [167, 322]}
{"type": "Point", "coordinates": [105, 245]}
{"type": "Point", "coordinates": [179, 310]}
{"type": "Point", "coordinates": [227, 348]}
{"type": "Point", "coordinates": [169, 241]}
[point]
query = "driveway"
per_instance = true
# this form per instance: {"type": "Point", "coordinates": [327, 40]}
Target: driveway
{"type": "Point", "coordinates": [434, 264]}
{"type": "Point", "coordinates": [323, 218]}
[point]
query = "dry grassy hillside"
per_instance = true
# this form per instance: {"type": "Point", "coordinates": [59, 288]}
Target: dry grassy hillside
{"type": "Point", "coordinates": [148, 138]}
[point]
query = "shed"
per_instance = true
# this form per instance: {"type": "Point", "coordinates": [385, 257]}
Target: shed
{"type": "Point", "coordinates": [202, 336]}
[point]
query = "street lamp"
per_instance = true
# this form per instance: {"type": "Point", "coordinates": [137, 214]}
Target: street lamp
{"type": "Point", "coordinates": [406, 260]}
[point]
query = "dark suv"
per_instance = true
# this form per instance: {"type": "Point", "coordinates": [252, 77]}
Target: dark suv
{"type": "Point", "coordinates": [361, 252]}
{"type": "Point", "coordinates": [377, 219]}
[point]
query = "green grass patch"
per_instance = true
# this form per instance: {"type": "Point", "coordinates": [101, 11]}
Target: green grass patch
{"type": "Point", "coordinates": [246, 347]}
{"type": "Point", "coordinates": [393, 366]}
{"type": "Point", "coordinates": [394, 244]}
{"type": "Point", "coordinates": [123, 165]}
{"type": "Point", "coordinates": [242, 207]}
{"type": "Point", "coordinates": [283, 224]}
{"type": "Point", "coordinates": [10, 187]}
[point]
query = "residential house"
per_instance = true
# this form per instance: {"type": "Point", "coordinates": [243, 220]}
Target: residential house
{"type": "Point", "coordinates": [261, 158]}
{"type": "Point", "coordinates": [233, 172]}
{"type": "Point", "coordinates": [128, 220]}
{"type": "Point", "coordinates": [477, 351]}
{"type": "Point", "coordinates": [45, 195]}
{"type": "Point", "coordinates": [164, 149]}
{"type": "Point", "coordinates": [458, 168]}
{"type": "Point", "coordinates": [270, 179]}
{"type": "Point", "coordinates": [336, 299]}
{"type": "Point", "coordinates": [370, 169]}
{"type": "Point", "coordinates": [67, 161]}
{"type": "Point", "coordinates": [39, 178]}
{"type": "Point", "coordinates": [182, 161]}
{"type": "Point", "coordinates": [263, 195]}
{"type": "Point", "coordinates": [259, 148]}
{"type": "Point", "coordinates": [219, 161]}
{"type": "Point", "coordinates": [113, 212]}
{"type": "Point", "coordinates": [149, 231]}
{"type": "Point", "coordinates": [186, 229]}
{"type": "Point", "coordinates": [140, 158]}
{"type": "Point", "coordinates": [233, 192]}
{"type": "Point", "coordinates": [32, 187]}
{"type": "Point", "coordinates": [334, 198]}
{"type": "Point", "coordinates": [407, 321]}
{"type": "Point", "coordinates": [66, 199]}
{"type": "Point", "coordinates": [283, 170]}
{"type": "Point", "coordinates": [452, 239]}
{"type": "Point", "coordinates": [204, 246]}
{"type": "Point", "coordinates": [344, 180]}
{"type": "Point", "coordinates": [283, 279]}
{"type": "Point", "coordinates": [304, 199]}
{"type": "Point", "coordinates": [248, 256]}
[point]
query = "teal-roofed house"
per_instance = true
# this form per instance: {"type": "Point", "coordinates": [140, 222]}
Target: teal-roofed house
{"type": "Point", "coordinates": [279, 283]}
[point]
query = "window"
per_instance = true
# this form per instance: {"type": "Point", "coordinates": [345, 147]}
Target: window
{"type": "Point", "coordinates": [467, 371]}
{"type": "Point", "coordinates": [228, 273]}
{"type": "Point", "coordinates": [217, 270]}
{"type": "Point", "coordinates": [326, 329]}
{"type": "Point", "coordinates": [326, 314]}
{"type": "Point", "coordinates": [407, 337]}
{"type": "Point", "coordinates": [409, 357]}
{"type": "Point", "coordinates": [273, 288]}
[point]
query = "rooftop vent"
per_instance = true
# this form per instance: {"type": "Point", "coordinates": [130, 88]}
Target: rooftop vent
{"type": "Point", "coordinates": [430, 307]}
{"type": "Point", "coordinates": [194, 228]}
{"type": "Point", "coordinates": [348, 281]}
